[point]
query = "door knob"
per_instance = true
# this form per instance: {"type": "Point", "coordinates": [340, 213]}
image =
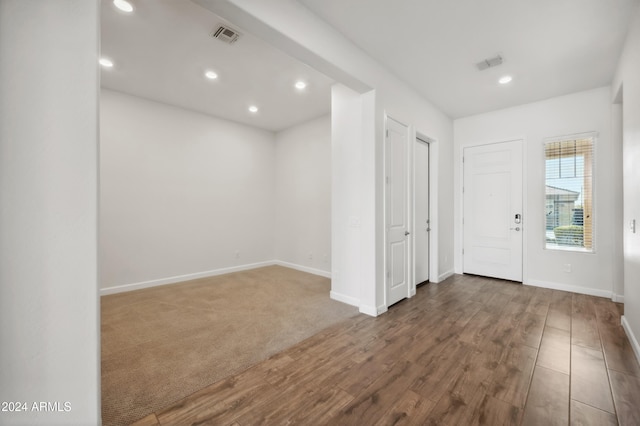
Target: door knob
{"type": "Point", "coordinates": [517, 228]}
{"type": "Point", "coordinates": [406, 233]}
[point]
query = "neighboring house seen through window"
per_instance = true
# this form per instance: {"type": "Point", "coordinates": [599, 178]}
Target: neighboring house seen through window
{"type": "Point", "coordinates": [569, 165]}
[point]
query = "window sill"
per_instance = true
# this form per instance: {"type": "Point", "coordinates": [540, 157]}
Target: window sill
{"type": "Point", "coordinates": [558, 247]}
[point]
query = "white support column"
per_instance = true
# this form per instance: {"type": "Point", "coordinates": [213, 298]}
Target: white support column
{"type": "Point", "coordinates": [49, 314]}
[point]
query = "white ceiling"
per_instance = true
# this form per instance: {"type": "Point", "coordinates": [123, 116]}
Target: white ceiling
{"type": "Point", "coordinates": [550, 47]}
{"type": "Point", "coordinates": [163, 48]}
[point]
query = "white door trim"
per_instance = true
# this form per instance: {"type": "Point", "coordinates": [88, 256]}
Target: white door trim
{"type": "Point", "coordinates": [419, 138]}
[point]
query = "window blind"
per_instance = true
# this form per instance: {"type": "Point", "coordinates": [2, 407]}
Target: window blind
{"type": "Point", "coordinates": [569, 166]}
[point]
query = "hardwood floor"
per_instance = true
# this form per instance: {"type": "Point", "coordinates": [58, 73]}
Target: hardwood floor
{"type": "Point", "coordinates": [467, 351]}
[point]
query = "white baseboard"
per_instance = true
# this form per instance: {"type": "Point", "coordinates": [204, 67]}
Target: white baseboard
{"type": "Point", "coordinates": [571, 288]}
{"type": "Point", "coordinates": [632, 337]}
{"type": "Point", "coordinates": [344, 298]}
{"type": "Point", "coordinates": [180, 278]}
{"type": "Point", "coordinates": [372, 311]}
{"type": "Point", "coordinates": [302, 268]}
{"type": "Point", "coordinates": [368, 310]}
{"type": "Point", "coordinates": [445, 275]}
{"type": "Point", "coordinates": [381, 309]}
{"type": "Point", "coordinates": [212, 273]}
{"type": "Point", "coordinates": [618, 298]}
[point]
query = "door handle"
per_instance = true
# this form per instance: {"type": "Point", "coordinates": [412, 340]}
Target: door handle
{"type": "Point", "coordinates": [406, 233]}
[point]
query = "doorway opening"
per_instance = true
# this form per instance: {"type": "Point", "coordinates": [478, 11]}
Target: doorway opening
{"type": "Point", "coordinates": [409, 217]}
{"type": "Point", "coordinates": [421, 212]}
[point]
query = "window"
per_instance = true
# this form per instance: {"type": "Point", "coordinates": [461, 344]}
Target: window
{"type": "Point", "coordinates": [569, 164]}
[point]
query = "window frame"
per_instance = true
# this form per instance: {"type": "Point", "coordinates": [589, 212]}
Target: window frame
{"type": "Point", "coordinates": [594, 144]}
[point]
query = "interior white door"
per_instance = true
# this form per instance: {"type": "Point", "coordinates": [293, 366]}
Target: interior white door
{"type": "Point", "coordinates": [397, 176]}
{"type": "Point", "coordinates": [492, 220]}
{"type": "Point", "coordinates": [422, 225]}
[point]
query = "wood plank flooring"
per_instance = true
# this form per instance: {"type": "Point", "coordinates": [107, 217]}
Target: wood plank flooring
{"type": "Point", "coordinates": [467, 351]}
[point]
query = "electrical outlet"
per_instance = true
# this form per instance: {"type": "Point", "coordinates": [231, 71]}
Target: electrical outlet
{"type": "Point", "coordinates": [310, 256]}
{"type": "Point", "coordinates": [237, 254]}
{"type": "Point", "coordinates": [567, 267]}
{"type": "Point", "coordinates": [326, 258]}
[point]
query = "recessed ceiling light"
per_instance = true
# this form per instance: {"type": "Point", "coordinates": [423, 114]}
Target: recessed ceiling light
{"type": "Point", "coordinates": [211, 75]}
{"type": "Point", "coordinates": [107, 63]}
{"type": "Point", "coordinates": [123, 5]}
{"type": "Point", "coordinates": [253, 109]}
{"type": "Point", "coordinates": [505, 79]}
{"type": "Point", "coordinates": [300, 85]}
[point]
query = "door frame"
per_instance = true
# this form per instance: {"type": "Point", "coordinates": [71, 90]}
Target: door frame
{"type": "Point", "coordinates": [525, 198]}
{"type": "Point", "coordinates": [413, 134]}
{"type": "Point", "coordinates": [433, 247]}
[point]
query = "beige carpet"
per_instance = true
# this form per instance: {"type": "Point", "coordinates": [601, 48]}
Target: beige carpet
{"type": "Point", "coordinates": [164, 343]}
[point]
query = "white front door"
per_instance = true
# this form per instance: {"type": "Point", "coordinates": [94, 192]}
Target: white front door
{"type": "Point", "coordinates": [397, 176]}
{"type": "Point", "coordinates": [492, 219]}
{"type": "Point", "coordinates": [421, 218]}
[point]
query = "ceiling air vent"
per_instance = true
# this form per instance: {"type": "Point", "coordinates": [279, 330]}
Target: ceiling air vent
{"type": "Point", "coordinates": [226, 34]}
{"type": "Point", "coordinates": [488, 63]}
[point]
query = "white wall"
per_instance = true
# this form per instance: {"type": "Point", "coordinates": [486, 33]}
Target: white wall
{"type": "Point", "coordinates": [617, 253]}
{"type": "Point", "coordinates": [303, 196]}
{"type": "Point", "coordinates": [294, 29]}
{"type": "Point", "coordinates": [346, 168]}
{"type": "Point", "coordinates": [576, 113]}
{"type": "Point", "coordinates": [628, 79]}
{"type": "Point", "coordinates": [49, 333]}
{"type": "Point", "coordinates": [181, 192]}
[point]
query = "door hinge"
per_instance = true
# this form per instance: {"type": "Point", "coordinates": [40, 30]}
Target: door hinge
{"type": "Point", "coordinates": [387, 179]}
{"type": "Point", "coordinates": [463, 159]}
{"type": "Point", "coordinates": [462, 251]}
